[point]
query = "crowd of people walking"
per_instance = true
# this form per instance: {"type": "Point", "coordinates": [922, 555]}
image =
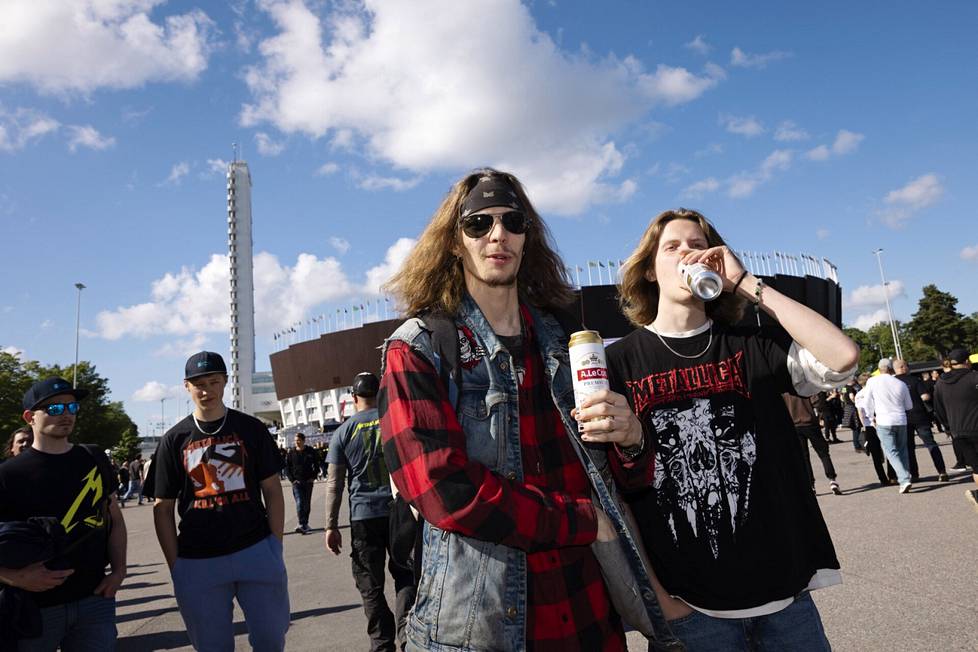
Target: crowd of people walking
{"type": "Point", "coordinates": [679, 502]}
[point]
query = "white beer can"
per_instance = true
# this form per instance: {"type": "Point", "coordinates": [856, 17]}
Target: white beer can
{"type": "Point", "coordinates": [589, 366]}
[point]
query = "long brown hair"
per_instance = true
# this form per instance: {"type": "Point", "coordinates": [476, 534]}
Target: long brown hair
{"type": "Point", "coordinates": [432, 277]}
{"type": "Point", "coordinates": [639, 297]}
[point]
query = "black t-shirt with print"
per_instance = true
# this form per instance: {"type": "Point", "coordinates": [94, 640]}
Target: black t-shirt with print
{"type": "Point", "coordinates": [72, 487]}
{"type": "Point", "coordinates": [731, 521]}
{"type": "Point", "coordinates": [216, 480]}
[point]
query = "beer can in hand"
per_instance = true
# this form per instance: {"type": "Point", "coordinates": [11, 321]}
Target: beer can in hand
{"type": "Point", "coordinates": [702, 280]}
{"type": "Point", "coordinates": [589, 367]}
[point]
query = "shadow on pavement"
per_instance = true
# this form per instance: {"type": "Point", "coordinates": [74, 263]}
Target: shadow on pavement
{"type": "Point", "coordinates": [143, 600]}
{"type": "Point", "coordinates": [145, 615]}
{"type": "Point", "coordinates": [322, 611]}
{"type": "Point", "coordinates": [141, 585]}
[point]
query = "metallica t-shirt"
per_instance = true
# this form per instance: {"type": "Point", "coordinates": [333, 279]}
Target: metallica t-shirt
{"type": "Point", "coordinates": [72, 487]}
{"type": "Point", "coordinates": [730, 522]}
{"type": "Point", "coordinates": [215, 473]}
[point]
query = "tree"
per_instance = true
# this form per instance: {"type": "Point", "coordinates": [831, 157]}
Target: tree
{"type": "Point", "coordinates": [100, 421]}
{"type": "Point", "coordinates": [937, 322]}
{"type": "Point", "coordinates": [128, 445]}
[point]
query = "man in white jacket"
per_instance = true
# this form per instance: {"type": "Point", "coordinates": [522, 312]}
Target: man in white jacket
{"type": "Point", "coordinates": [889, 399]}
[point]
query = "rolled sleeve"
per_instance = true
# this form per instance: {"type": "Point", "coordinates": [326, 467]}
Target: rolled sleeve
{"type": "Point", "coordinates": [810, 376]}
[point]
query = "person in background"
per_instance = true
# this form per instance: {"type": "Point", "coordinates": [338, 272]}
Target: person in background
{"type": "Point", "coordinates": [956, 403]}
{"type": "Point", "coordinates": [918, 422]}
{"type": "Point", "coordinates": [301, 468]}
{"type": "Point", "coordinates": [20, 440]}
{"type": "Point", "coordinates": [888, 400]}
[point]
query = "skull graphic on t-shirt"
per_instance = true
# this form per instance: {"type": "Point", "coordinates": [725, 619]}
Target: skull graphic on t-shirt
{"type": "Point", "coordinates": [703, 469]}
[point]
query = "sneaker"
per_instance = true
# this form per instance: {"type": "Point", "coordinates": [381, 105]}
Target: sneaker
{"type": "Point", "coordinates": [306, 529]}
{"type": "Point", "coordinates": [834, 486]}
{"type": "Point", "coordinates": [298, 529]}
{"type": "Point", "coordinates": [959, 467]}
{"type": "Point", "coordinates": [942, 477]}
{"type": "Point", "coordinates": [905, 487]}
{"type": "Point", "coordinates": [971, 495]}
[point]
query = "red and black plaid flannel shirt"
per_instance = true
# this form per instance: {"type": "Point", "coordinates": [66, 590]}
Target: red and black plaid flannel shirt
{"type": "Point", "coordinates": [549, 514]}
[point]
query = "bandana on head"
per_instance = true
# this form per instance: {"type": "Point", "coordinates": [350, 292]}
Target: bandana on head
{"type": "Point", "coordinates": [489, 191]}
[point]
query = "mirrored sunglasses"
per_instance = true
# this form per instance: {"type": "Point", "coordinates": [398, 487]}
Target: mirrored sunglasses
{"type": "Point", "coordinates": [479, 224]}
{"type": "Point", "coordinates": [57, 409]}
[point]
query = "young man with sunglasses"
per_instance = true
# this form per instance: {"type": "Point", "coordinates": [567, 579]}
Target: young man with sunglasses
{"type": "Point", "coordinates": [219, 468]}
{"type": "Point", "coordinates": [485, 451]}
{"type": "Point", "coordinates": [74, 484]}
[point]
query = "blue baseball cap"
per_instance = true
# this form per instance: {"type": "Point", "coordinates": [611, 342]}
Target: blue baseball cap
{"type": "Point", "coordinates": [42, 390]}
{"type": "Point", "coordinates": [204, 363]}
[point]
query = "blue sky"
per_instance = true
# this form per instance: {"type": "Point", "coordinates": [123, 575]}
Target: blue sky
{"type": "Point", "coordinates": [831, 128]}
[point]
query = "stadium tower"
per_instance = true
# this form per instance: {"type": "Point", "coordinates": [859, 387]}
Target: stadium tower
{"type": "Point", "coordinates": [242, 286]}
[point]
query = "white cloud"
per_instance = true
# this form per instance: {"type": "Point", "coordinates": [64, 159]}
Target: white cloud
{"type": "Point", "coordinates": [193, 302]}
{"type": "Point", "coordinates": [216, 166]}
{"type": "Point", "coordinates": [15, 351]}
{"type": "Point", "coordinates": [822, 233]}
{"type": "Point", "coordinates": [845, 142]}
{"type": "Point", "coordinates": [383, 80]}
{"type": "Point", "coordinates": [699, 45]}
{"type": "Point", "coordinates": [741, 59]}
{"type": "Point", "coordinates": [867, 321]}
{"type": "Point", "coordinates": [47, 323]}
{"type": "Point", "coordinates": [155, 391]}
{"type": "Point", "coordinates": [376, 182]}
{"type": "Point", "coordinates": [327, 169]}
{"type": "Point", "coordinates": [871, 296]}
{"type": "Point", "coordinates": [744, 126]}
{"type": "Point", "coordinates": [903, 203]}
{"type": "Point", "coordinates": [182, 348]}
{"type": "Point", "coordinates": [22, 126]}
{"type": "Point", "coordinates": [397, 253]}
{"type": "Point", "coordinates": [88, 136]}
{"type": "Point", "coordinates": [84, 45]}
{"type": "Point", "coordinates": [745, 183]}
{"type": "Point", "coordinates": [788, 131]}
{"type": "Point", "coordinates": [713, 149]}
{"type": "Point", "coordinates": [341, 245]}
{"type": "Point", "coordinates": [700, 188]}
{"type": "Point", "coordinates": [177, 173]}
{"type": "Point", "coordinates": [267, 146]}
{"type": "Point", "coordinates": [970, 253]}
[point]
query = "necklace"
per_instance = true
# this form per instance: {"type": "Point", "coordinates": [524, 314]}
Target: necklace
{"type": "Point", "coordinates": [225, 418]}
{"type": "Point", "coordinates": [677, 353]}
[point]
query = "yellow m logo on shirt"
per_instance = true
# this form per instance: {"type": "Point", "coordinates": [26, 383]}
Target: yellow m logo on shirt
{"type": "Point", "coordinates": [92, 485]}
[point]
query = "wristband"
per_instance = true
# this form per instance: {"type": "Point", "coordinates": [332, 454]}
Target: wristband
{"type": "Point", "coordinates": [737, 284]}
{"type": "Point", "coordinates": [632, 452]}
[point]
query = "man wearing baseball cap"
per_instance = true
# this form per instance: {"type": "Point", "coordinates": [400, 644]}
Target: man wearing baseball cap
{"type": "Point", "coordinates": [357, 446]}
{"type": "Point", "coordinates": [956, 404]}
{"type": "Point", "coordinates": [219, 468]}
{"type": "Point", "coordinates": [74, 484]}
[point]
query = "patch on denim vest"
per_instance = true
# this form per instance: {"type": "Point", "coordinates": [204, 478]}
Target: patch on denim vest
{"type": "Point", "coordinates": [470, 351]}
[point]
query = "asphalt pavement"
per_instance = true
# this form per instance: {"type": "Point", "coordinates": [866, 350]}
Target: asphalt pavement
{"type": "Point", "coordinates": [908, 564]}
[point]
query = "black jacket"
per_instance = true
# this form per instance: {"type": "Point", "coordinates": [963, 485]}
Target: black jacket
{"type": "Point", "coordinates": [956, 402]}
{"type": "Point", "coordinates": [23, 543]}
{"type": "Point", "coordinates": [302, 466]}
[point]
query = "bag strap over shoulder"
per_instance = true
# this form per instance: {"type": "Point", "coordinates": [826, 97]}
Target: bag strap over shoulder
{"type": "Point", "coordinates": [444, 344]}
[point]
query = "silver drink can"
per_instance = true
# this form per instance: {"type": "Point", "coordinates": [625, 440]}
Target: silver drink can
{"type": "Point", "coordinates": [589, 367]}
{"type": "Point", "coordinates": [702, 280]}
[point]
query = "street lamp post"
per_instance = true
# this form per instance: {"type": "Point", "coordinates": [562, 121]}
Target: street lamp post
{"type": "Point", "coordinates": [162, 416]}
{"type": "Point", "coordinates": [74, 378]}
{"type": "Point", "coordinates": [889, 314]}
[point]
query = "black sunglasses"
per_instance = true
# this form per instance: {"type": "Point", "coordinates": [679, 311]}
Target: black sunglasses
{"type": "Point", "coordinates": [477, 225]}
{"type": "Point", "coordinates": [57, 409]}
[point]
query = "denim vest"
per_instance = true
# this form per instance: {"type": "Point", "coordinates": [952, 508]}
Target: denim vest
{"type": "Point", "coordinates": [472, 593]}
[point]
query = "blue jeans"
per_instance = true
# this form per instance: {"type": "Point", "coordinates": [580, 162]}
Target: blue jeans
{"type": "Point", "coordinates": [302, 492]}
{"type": "Point", "coordinates": [87, 625]}
{"type": "Point", "coordinates": [205, 590]}
{"type": "Point", "coordinates": [134, 489]}
{"type": "Point", "coordinates": [893, 440]}
{"type": "Point", "coordinates": [796, 628]}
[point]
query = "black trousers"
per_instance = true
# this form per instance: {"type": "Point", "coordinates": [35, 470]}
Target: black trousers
{"type": "Point", "coordinates": [814, 435]}
{"type": "Point", "coordinates": [876, 452]}
{"type": "Point", "coordinates": [369, 546]}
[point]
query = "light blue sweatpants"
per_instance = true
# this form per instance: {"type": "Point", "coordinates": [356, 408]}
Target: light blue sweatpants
{"type": "Point", "coordinates": [205, 590]}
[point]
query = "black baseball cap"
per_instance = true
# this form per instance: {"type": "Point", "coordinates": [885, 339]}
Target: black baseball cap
{"type": "Point", "coordinates": [204, 363]}
{"type": "Point", "coordinates": [42, 390]}
{"type": "Point", "coordinates": [958, 356]}
{"type": "Point", "coordinates": [365, 384]}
